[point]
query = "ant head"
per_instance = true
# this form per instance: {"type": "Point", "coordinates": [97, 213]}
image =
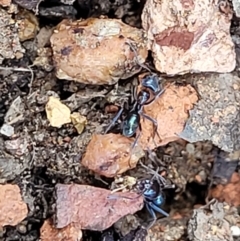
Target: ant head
{"type": "Point", "coordinates": [152, 81]}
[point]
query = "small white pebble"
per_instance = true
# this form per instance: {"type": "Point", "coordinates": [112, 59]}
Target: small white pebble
{"type": "Point", "coordinates": [7, 130]}
{"type": "Point", "coordinates": [190, 148]}
{"type": "Point", "coordinates": [235, 231]}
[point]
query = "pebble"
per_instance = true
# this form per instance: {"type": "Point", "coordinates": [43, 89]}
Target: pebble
{"type": "Point", "coordinates": [7, 130]}
{"type": "Point", "coordinates": [190, 148]}
{"type": "Point", "coordinates": [235, 231]}
{"type": "Point", "coordinates": [22, 228]}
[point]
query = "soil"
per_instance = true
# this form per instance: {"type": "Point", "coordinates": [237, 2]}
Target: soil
{"type": "Point", "coordinates": [52, 155]}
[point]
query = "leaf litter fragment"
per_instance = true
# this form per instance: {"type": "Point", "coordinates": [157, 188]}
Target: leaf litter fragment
{"type": "Point", "coordinates": [12, 208]}
{"type": "Point", "coordinates": [91, 208]}
{"type": "Point", "coordinates": [110, 154]}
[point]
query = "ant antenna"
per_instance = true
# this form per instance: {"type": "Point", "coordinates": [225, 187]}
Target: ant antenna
{"type": "Point", "coordinates": [155, 173]}
{"type": "Point", "coordinates": [135, 52]}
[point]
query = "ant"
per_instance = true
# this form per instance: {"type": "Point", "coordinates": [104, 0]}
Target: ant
{"type": "Point", "coordinates": [153, 196]}
{"type": "Point", "coordinates": [131, 123]}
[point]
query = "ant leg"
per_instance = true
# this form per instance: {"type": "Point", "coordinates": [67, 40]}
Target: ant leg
{"type": "Point", "coordinates": [152, 213]}
{"type": "Point", "coordinates": [155, 173]}
{"type": "Point", "coordinates": [134, 91]}
{"type": "Point", "coordinates": [160, 179]}
{"type": "Point", "coordinates": [157, 209]}
{"type": "Point", "coordinates": [132, 148]}
{"type": "Point", "coordinates": [153, 157]}
{"type": "Point", "coordinates": [113, 197]}
{"type": "Point", "coordinates": [159, 93]}
{"type": "Point", "coordinates": [155, 124]}
{"type": "Point", "coordinates": [114, 120]}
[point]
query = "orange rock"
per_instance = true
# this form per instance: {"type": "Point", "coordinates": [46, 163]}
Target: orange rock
{"type": "Point", "coordinates": [94, 51]}
{"type": "Point", "coordinates": [69, 233]}
{"type": "Point", "coordinates": [5, 3]}
{"type": "Point", "coordinates": [229, 193]}
{"type": "Point", "coordinates": [109, 155]}
{"type": "Point", "coordinates": [170, 110]}
{"type": "Point", "coordinates": [13, 210]}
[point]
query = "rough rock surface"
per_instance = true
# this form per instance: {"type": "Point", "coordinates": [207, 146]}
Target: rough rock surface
{"type": "Point", "coordinates": [10, 46]}
{"type": "Point", "coordinates": [5, 3]}
{"type": "Point", "coordinates": [171, 111]}
{"type": "Point", "coordinates": [69, 233]}
{"type": "Point", "coordinates": [92, 208]}
{"type": "Point", "coordinates": [216, 115]}
{"type": "Point", "coordinates": [236, 7]}
{"type": "Point", "coordinates": [212, 223]}
{"type": "Point", "coordinates": [79, 47]}
{"type": "Point", "coordinates": [13, 210]}
{"type": "Point", "coordinates": [228, 193]}
{"type": "Point", "coordinates": [189, 36]}
{"type": "Point", "coordinates": [111, 154]}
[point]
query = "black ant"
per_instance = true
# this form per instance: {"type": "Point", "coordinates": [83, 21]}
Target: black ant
{"type": "Point", "coordinates": [151, 87]}
{"type": "Point", "coordinates": [153, 196]}
{"type": "Point", "coordinates": [152, 191]}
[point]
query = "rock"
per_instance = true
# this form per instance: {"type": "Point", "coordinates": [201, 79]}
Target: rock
{"type": "Point", "coordinates": [43, 37]}
{"type": "Point", "coordinates": [165, 230]}
{"type": "Point", "coordinates": [170, 110]}
{"type": "Point", "coordinates": [29, 4]}
{"type": "Point", "coordinates": [95, 51]}
{"type": "Point", "coordinates": [7, 130]}
{"type": "Point", "coordinates": [44, 59]}
{"type": "Point", "coordinates": [189, 36]}
{"type": "Point", "coordinates": [229, 193]}
{"type": "Point", "coordinates": [235, 231]}
{"type": "Point", "coordinates": [57, 113]}
{"type": "Point", "coordinates": [212, 223]}
{"type": "Point", "coordinates": [109, 155]}
{"type": "Point", "coordinates": [13, 210]}
{"type": "Point", "coordinates": [5, 3]}
{"type": "Point", "coordinates": [79, 121]}
{"type": "Point", "coordinates": [28, 25]}
{"type": "Point", "coordinates": [10, 46]}
{"type": "Point", "coordinates": [236, 7]}
{"type": "Point", "coordinates": [215, 117]}
{"type": "Point", "coordinates": [11, 167]}
{"type": "Point", "coordinates": [224, 165]}
{"type": "Point", "coordinates": [69, 233]}
{"type": "Point", "coordinates": [17, 146]}
{"type": "Point", "coordinates": [93, 208]}
{"type": "Point", "coordinates": [15, 113]}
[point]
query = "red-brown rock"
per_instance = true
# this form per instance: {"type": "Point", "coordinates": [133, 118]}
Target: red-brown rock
{"type": "Point", "coordinates": [91, 208]}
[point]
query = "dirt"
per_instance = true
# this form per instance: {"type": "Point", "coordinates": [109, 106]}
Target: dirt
{"type": "Point", "coordinates": [38, 157]}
